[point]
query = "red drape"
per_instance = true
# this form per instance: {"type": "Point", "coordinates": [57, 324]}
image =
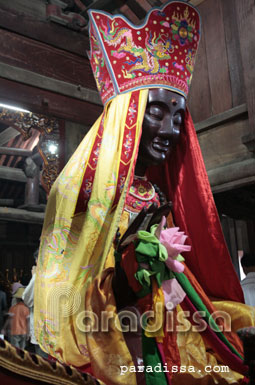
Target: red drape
{"type": "Point", "coordinates": [185, 182]}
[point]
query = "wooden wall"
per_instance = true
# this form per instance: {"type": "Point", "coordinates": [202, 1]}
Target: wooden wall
{"type": "Point", "coordinates": [222, 94]}
{"type": "Point", "coordinates": [218, 80]}
{"type": "Point", "coordinates": [222, 104]}
{"type": "Point", "coordinates": [44, 66]}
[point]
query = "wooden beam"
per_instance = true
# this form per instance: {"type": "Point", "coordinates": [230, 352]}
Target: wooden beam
{"type": "Point", "coordinates": [45, 60]}
{"type": "Point", "coordinates": [99, 4]}
{"type": "Point", "coordinates": [221, 118]}
{"type": "Point", "coordinates": [136, 8]}
{"type": "Point", "coordinates": [6, 202]}
{"type": "Point", "coordinates": [42, 30]}
{"type": "Point", "coordinates": [36, 80]}
{"type": "Point", "coordinates": [155, 3]}
{"type": "Point", "coordinates": [145, 4]}
{"type": "Point", "coordinates": [15, 151]}
{"type": "Point", "coordinates": [18, 215]}
{"type": "Point", "coordinates": [196, 2]}
{"type": "Point", "coordinates": [14, 174]}
{"type": "Point", "coordinates": [48, 103]}
{"type": "Point", "coordinates": [234, 184]}
{"type": "Point", "coordinates": [232, 173]}
{"type": "Point", "coordinates": [36, 8]}
{"type": "Point", "coordinates": [7, 135]}
{"type": "Point", "coordinates": [129, 14]}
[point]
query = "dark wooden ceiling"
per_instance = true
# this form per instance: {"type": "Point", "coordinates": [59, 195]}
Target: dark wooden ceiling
{"type": "Point", "coordinates": [134, 10]}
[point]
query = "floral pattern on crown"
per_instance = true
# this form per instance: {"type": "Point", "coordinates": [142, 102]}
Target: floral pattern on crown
{"type": "Point", "coordinates": [160, 53]}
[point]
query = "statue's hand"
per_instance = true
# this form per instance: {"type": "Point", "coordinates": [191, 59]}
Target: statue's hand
{"type": "Point", "coordinates": [124, 295]}
{"type": "Point", "coordinates": [157, 214]}
{"type": "Point", "coordinates": [134, 226]}
{"type": "Point", "coordinates": [162, 211]}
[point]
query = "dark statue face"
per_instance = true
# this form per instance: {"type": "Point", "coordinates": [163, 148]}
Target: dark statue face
{"type": "Point", "coordinates": [161, 127]}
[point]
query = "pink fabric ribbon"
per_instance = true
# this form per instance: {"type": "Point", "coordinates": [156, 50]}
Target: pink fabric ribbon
{"type": "Point", "coordinates": [173, 293]}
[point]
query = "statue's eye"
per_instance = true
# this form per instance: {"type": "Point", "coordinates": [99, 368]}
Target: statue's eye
{"type": "Point", "coordinates": [177, 119]}
{"type": "Point", "coordinates": [156, 112]}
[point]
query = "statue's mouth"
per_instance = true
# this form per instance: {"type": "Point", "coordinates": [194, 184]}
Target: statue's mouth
{"type": "Point", "coordinates": [161, 145]}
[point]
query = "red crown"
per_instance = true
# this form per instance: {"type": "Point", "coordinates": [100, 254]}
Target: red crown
{"type": "Point", "coordinates": [160, 53]}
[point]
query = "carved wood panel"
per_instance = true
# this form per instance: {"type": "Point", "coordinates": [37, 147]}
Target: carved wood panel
{"type": "Point", "coordinates": [24, 122]}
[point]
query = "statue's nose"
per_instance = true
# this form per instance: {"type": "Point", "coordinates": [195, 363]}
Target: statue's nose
{"type": "Point", "coordinates": [166, 128]}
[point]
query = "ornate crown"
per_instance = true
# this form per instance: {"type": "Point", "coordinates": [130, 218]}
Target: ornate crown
{"type": "Point", "coordinates": [160, 53]}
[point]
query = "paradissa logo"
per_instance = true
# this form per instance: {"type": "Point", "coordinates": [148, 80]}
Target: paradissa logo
{"type": "Point", "coordinates": [65, 301]}
{"type": "Point", "coordinates": [173, 369]}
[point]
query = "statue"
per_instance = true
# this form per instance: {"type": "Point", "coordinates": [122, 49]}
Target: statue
{"type": "Point", "coordinates": [140, 159]}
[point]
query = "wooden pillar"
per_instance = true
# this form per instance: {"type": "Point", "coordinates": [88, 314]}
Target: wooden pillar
{"type": "Point", "coordinates": [32, 190]}
{"type": "Point", "coordinates": [32, 172]}
{"type": "Point", "coordinates": [229, 231]}
{"type": "Point", "coordinates": [245, 11]}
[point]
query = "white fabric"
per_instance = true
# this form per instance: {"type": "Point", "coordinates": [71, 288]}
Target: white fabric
{"type": "Point", "coordinates": [28, 298]}
{"type": "Point", "coordinates": [248, 286]}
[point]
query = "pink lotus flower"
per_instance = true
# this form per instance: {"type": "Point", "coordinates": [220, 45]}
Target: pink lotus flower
{"type": "Point", "coordinates": [173, 240]}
